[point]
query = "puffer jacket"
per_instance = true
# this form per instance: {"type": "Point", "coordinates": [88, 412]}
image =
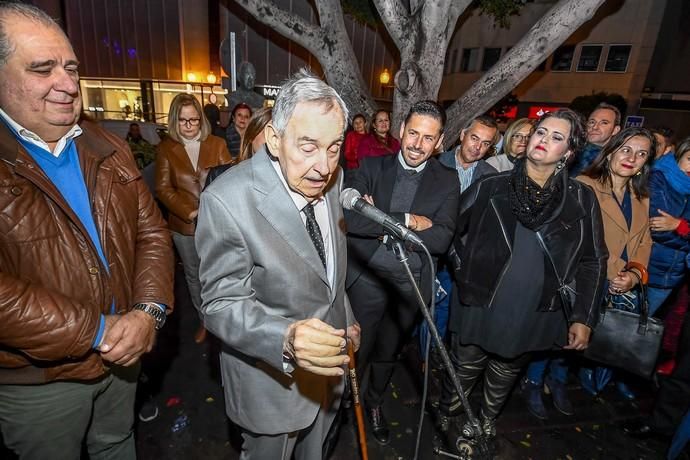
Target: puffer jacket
{"type": "Point", "coordinates": [178, 184]}
{"type": "Point", "coordinates": [53, 285]}
{"type": "Point", "coordinates": [667, 262]}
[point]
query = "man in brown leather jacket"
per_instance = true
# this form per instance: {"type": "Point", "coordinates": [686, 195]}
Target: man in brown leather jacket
{"type": "Point", "coordinates": [85, 258]}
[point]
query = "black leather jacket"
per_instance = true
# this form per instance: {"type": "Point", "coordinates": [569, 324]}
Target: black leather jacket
{"type": "Point", "coordinates": [573, 242]}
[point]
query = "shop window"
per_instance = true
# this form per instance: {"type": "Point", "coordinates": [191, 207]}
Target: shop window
{"type": "Point", "coordinates": [563, 58]}
{"type": "Point", "coordinates": [491, 57]}
{"type": "Point", "coordinates": [590, 55]}
{"type": "Point", "coordinates": [617, 58]}
{"type": "Point", "coordinates": [470, 59]}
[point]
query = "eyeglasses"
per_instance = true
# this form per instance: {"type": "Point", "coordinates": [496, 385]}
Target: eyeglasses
{"type": "Point", "coordinates": [520, 137]}
{"type": "Point", "coordinates": [189, 121]}
{"type": "Point", "coordinates": [593, 123]}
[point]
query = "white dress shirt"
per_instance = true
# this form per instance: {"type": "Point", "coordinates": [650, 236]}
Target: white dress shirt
{"type": "Point", "coordinates": [322, 218]}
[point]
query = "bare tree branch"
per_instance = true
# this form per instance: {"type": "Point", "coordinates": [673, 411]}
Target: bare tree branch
{"type": "Point", "coordinates": [285, 23]}
{"type": "Point", "coordinates": [396, 19]}
{"type": "Point", "coordinates": [457, 8]}
{"type": "Point", "coordinates": [542, 39]}
{"type": "Point", "coordinates": [329, 43]}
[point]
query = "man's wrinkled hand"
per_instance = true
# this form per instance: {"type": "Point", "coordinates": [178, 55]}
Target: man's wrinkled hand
{"type": "Point", "coordinates": [354, 334]}
{"type": "Point", "coordinates": [127, 337]}
{"type": "Point", "coordinates": [317, 347]}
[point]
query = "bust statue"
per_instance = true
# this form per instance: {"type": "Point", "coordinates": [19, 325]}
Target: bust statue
{"type": "Point", "coordinates": [245, 90]}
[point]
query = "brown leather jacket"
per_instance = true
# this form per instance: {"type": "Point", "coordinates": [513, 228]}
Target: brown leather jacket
{"type": "Point", "coordinates": [178, 185]}
{"type": "Point", "coordinates": [53, 286]}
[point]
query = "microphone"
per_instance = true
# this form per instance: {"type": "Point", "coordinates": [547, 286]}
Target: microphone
{"type": "Point", "coordinates": [352, 200]}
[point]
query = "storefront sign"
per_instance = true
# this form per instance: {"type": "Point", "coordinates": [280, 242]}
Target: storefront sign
{"type": "Point", "coordinates": [634, 121]}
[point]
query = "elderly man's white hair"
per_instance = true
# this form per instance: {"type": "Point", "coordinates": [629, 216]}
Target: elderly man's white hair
{"type": "Point", "coordinates": [303, 86]}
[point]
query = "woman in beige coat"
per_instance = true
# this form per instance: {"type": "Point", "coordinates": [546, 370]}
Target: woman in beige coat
{"type": "Point", "coordinates": [619, 179]}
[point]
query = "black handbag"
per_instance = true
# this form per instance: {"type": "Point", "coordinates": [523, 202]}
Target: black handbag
{"type": "Point", "coordinates": [628, 340]}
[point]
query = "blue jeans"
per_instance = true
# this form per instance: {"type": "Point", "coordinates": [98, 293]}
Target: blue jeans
{"type": "Point", "coordinates": [558, 369]}
{"type": "Point", "coordinates": [656, 298]}
{"type": "Point", "coordinates": [441, 309]}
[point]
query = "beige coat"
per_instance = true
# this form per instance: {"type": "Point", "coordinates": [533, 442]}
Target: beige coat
{"type": "Point", "coordinates": [637, 240]}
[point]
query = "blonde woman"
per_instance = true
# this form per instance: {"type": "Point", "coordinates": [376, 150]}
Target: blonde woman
{"type": "Point", "coordinates": [514, 145]}
{"type": "Point", "coordinates": [183, 161]}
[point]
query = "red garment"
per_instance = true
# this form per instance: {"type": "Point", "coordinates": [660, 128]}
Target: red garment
{"type": "Point", "coordinates": [352, 140]}
{"type": "Point", "coordinates": [370, 146]}
{"type": "Point", "coordinates": [673, 321]}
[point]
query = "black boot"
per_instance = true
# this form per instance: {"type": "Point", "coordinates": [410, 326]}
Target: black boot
{"type": "Point", "coordinates": [379, 425]}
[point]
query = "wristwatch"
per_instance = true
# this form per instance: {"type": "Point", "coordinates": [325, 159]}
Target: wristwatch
{"type": "Point", "coordinates": [150, 309]}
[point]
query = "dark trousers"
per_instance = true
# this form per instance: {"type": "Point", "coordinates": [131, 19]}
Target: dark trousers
{"type": "Point", "coordinates": [471, 362]}
{"type": "Point", "coordinates": [52, 420]}
{"type": "Point", "coordinates": [673, 399]}
{"type": "Point", "coordinates": [386, 308]}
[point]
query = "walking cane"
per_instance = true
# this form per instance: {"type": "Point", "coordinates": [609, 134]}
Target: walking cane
{"type": "Point", "coordinates": [354, 386]}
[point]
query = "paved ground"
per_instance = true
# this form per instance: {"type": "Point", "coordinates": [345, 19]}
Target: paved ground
{"type": "Point", "coordinates": [191, 374]}
{"type": "Point", "coordinates": [184, 378]}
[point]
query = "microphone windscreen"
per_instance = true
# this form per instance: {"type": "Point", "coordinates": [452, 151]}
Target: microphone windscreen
{"type": "Point", "coordinates": [349, 197]}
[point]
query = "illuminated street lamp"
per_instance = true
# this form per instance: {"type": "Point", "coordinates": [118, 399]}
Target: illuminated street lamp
{"type": "Point", "coordinates": [211, 78]}
{"type": "Point", "coordinates": [191, 76]}
{"type": "Point", "coordinates": [385, 77]}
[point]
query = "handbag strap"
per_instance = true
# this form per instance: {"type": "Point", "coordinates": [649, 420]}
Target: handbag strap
{"type": "Point", "coordinates": [643, 278]}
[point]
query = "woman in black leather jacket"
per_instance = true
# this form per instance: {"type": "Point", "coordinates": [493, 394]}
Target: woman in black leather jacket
{"type": "Point", "coordinates": [531, 266]}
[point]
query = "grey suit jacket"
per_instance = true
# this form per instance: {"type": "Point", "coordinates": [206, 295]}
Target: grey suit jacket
{"type": "Point", "coordinates": [259, 273]}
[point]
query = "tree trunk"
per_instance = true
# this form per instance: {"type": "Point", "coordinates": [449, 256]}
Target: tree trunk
{"type": "Point", "coordinates": [422, 36]}
{"type": "Point", "coordinates": [542, 39]}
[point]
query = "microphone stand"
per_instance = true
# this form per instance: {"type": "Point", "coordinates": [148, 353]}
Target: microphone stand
{"type": "Point", "coordinates": [478, 433]}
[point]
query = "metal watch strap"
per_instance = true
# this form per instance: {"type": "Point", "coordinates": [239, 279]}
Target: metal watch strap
{"type": "Point", "coordinates": [154, 311]}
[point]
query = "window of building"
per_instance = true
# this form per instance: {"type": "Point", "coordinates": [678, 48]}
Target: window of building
{"type": "Point", "coordinates": [122, 99]}
{"type": "Point", "coordinates": [590, 55]}
{"type": "Point", "coordinates": [617, 58]}
{"type": "Point", "coordinates": [563, 58]}
{"type": "Point", "coordinates": [470, 59]}
{"type": "Point", "coordinates": [491, 57]}
{"type": "Point", "coordinates": [451, 64]}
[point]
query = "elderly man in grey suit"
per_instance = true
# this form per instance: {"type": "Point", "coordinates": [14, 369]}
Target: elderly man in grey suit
{"type": "Point", "coordinates": [273, 257]}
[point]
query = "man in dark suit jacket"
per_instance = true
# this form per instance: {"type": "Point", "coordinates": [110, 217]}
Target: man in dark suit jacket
{"type": "Point", "coordinates": [422, 194]}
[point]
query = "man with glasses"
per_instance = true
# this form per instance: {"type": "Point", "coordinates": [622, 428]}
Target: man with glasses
{"type": "Point", "coordinates": [477, 139]}
{"type": "Point", "coordinates": [603, 123]}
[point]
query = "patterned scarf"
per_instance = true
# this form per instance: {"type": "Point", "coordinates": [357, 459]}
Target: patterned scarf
{"type": "Point", "coordinates": [531, 204]}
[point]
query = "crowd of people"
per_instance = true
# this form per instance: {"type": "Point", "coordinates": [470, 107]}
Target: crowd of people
{"type": "Point", "coordinates": [573, 214]}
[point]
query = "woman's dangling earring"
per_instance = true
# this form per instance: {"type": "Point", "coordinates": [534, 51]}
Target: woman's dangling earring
{"type": "Point", "coordinates": [560, 164]}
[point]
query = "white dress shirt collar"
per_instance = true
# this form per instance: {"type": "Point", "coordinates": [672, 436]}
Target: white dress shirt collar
{"type": "Point", "coordinates": [419, 168]}
{"type": "Point", "coordinates": [34, 139]}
